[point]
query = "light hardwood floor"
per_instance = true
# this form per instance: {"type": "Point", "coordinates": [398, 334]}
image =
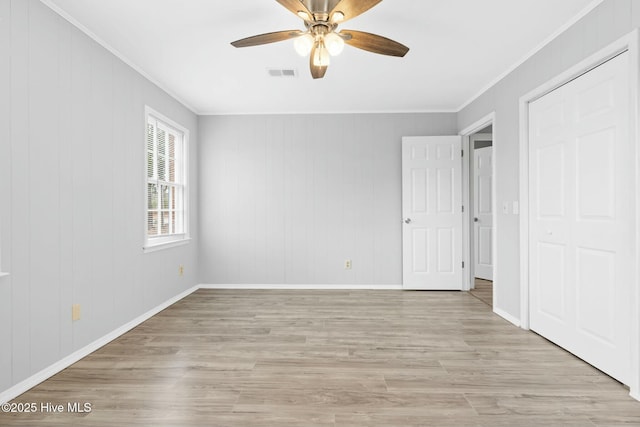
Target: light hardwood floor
{"type": "Point", "coordinates": [483, 291]}
{"type": "Point", "coordinates": [331, 358]}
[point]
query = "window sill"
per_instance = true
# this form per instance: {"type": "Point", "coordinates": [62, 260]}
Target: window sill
{"type": "Point", "coordinates": [165, 245]}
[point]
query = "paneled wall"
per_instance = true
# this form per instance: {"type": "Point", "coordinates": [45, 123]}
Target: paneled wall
{"type": "Point", "coordinates": [72, 192]}
{"type": "Point", "coordinates": [286, 199]}
{"type": "Point", "coordinates": [609, 21]}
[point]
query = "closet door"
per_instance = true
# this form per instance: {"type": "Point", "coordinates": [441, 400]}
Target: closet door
{"type": "Point", "coordinates": [582, 217]}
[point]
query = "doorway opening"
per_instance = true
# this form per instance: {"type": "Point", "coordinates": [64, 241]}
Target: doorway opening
{"type": "Point", "coordinates": [479, 221]}
{"type": "Point", "coordinates": [480, 186]}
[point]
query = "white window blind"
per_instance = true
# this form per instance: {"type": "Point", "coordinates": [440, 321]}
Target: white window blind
{"type": "Point", "coordinates": [166, 182]}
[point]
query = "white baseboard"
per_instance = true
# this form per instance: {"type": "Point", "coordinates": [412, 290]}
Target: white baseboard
{"type": "Point", "coordinates": [635, 394]}
{"type": "Point", "coordinates": [64, 363]}
{"type": "Point", "coordinates": [37, 378]}
{"type": "Point", "coordinates": [300, 286]}
{"type": "Point", "coordinates": [506, 316]}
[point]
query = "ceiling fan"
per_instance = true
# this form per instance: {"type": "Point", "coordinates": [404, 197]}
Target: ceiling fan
{"type": "Point", "coordinates": [321, 39]}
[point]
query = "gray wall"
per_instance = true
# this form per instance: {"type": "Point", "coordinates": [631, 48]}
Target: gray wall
{"type": "Point", "coordinates": [608, 22]}
{"type": "Point", "coordinates": [72, 191]}
{"type": "Point", "coordinates": [286, 199]}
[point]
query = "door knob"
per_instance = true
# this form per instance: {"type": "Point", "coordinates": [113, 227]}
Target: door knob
{"type": "Point", "coordinates": [407, 220]}
{"type": "Point", "coordinates": [476, 220]}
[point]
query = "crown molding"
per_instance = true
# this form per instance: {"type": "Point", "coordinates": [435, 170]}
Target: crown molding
{"type": "Point", "coordinates": [584, 12]}
{"type": "Point", "coordinates": [51, 5]}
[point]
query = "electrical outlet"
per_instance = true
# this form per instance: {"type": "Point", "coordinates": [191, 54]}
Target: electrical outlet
{"type": "Point", "coordinates": [75, 312]}
{"type": "Point", "coordinates": [181, 270]}
{"type": "Point", "coordinates": [347, 264]}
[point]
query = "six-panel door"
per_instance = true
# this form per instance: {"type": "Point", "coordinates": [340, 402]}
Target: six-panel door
{"type": "Point", "coordinates": [432, 212]}
{"type": "Point", "coordinates": [581, 217]}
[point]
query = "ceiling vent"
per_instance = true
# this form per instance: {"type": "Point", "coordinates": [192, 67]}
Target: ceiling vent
{"type": "Point", "coordinates": [282, 72]}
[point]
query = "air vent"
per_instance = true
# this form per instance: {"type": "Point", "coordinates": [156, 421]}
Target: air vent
{"type": "Point", "coordinates": [282, 72]}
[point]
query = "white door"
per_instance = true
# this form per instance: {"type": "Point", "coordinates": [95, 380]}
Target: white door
{"type": "Point", "coordinates": [482, 215]}
{"type": "Point", "coordinates": [581, 217]}
{"type": "Point", "coordinates": [432, 212]}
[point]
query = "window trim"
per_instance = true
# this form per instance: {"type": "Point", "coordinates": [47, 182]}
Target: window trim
{"type": "Point", "coordinates": [170, 241]}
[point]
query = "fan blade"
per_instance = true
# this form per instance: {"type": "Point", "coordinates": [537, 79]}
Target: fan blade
{"type": "Point", "coordinates": [373, 43]}
{"type": "Point", "coordinates": [278, 36]}
{"type": "Point", "coordinates": [352, 8]}
{"type": "Point", "coordinates": [317, 72]}
{"type": "Point", "coordinates": [296, 6]}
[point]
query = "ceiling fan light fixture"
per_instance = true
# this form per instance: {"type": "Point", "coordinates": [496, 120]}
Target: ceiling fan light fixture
{"type": "Point", "coordinates": [321, 55]}
{"type": "Point", "coordinates": [334, 43]}
{"type": "Point", "coordinates": [304, 44]}
{"type": "Point", "coordinates": [304, 15]}
{"type": "Point", "coordinates": [321, 40]}
{"type": "Point", "coordinates": [337, 17]}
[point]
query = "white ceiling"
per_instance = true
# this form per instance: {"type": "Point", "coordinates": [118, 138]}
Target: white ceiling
{"type": "Point", "coordinates": [458, 49]}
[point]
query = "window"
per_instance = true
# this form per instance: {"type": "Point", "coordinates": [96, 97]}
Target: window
{"type": "Point", "coordinates": [166, 164]}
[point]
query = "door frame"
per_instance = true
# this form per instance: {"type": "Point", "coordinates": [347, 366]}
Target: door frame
{"type": "Point", "coordinates": [629, 43]}
{"type": "Point", "coordinates": [467, 216]}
